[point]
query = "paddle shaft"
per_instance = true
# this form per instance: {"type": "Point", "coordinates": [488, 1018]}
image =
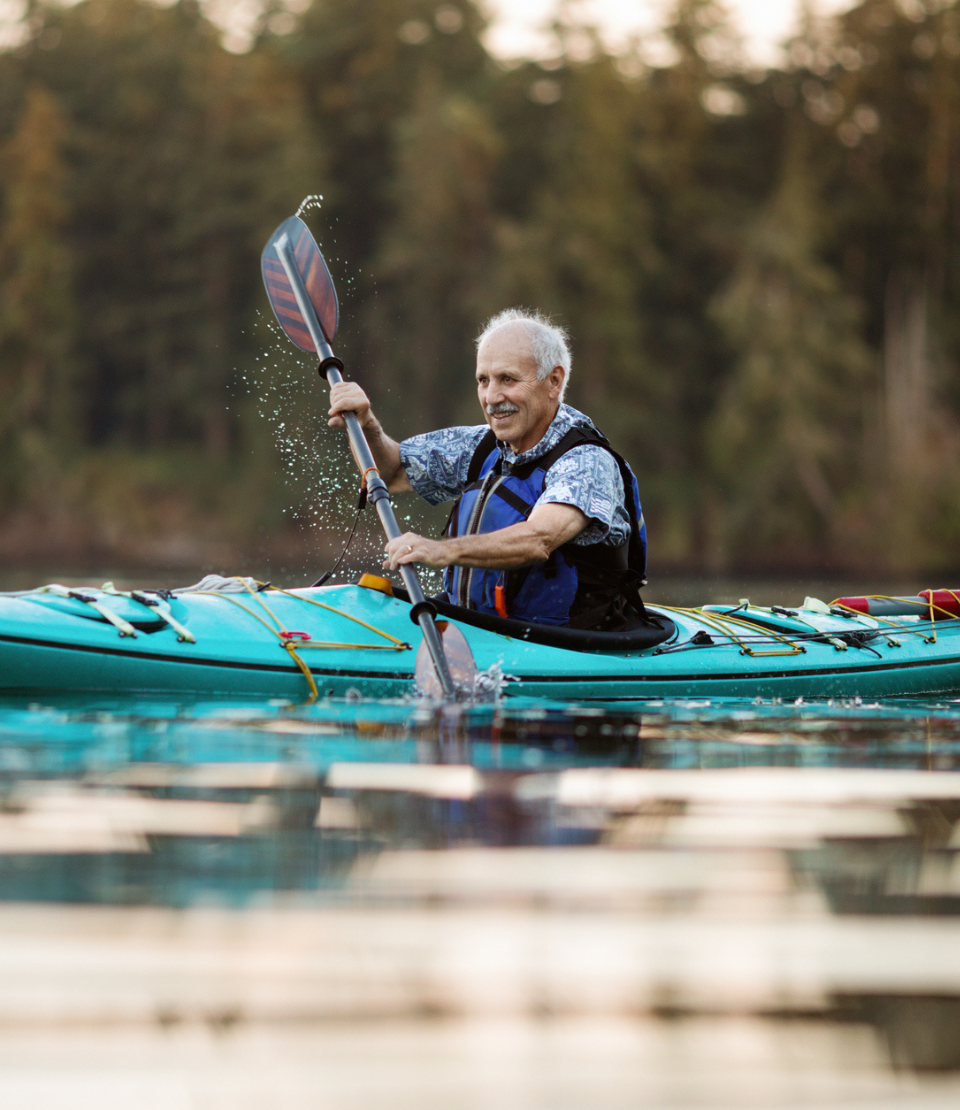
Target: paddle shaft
{"type": "Point", "coordinates": [377, 493]}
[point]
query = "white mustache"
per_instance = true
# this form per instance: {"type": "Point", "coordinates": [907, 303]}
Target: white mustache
{"type": "Point", "coordinates": [501, 410]}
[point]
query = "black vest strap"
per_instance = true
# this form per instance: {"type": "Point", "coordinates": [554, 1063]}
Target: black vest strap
{"type": "Point", "coordinates": [576, 437]}
{"type": "Point", "coordinates": [484, 447]}
{"type": "Point", "coordinates": [514, 501]}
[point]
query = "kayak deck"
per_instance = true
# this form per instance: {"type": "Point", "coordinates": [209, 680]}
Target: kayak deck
{"type": "Point", "coordinates": [334, 640]}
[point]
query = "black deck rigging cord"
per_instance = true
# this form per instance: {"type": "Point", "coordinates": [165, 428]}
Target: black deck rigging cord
{"type": "Point", "coordinates": [361, 502]}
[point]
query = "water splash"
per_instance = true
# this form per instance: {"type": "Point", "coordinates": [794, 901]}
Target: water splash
{"type": "Point", "coordinates": [311, 200]}
{"type": "Point", "coordinates": [491, 684]}
{"type": "Point", "coordinates": [319, 477]}
{"type": "Point", "coordinates": [318, 472]}
{"type": "Point", "coordinates": [317, 469]}
{"type": "Point", "coordinates": [482, 688]}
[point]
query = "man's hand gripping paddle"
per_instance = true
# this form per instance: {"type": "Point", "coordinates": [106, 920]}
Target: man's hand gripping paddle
{"type": "Point", "coordinates": [304, 300]}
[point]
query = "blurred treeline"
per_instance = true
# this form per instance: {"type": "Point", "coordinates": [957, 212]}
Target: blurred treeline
{"type": "Point", "coordinates": [760, 269]}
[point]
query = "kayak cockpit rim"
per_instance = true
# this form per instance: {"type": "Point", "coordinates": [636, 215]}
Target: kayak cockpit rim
{"type": "Point", "coordinates": [659, 631]}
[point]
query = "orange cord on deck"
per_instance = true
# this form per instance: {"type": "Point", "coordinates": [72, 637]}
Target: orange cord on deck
{"type": "Point", "coordinates": [294, 642]}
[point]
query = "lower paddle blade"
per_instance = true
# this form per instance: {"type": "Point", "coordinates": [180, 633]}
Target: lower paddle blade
{"type": "Point", "coordinates": [463, 667]}
{"type": "Point", "coordinates": [294, 234]}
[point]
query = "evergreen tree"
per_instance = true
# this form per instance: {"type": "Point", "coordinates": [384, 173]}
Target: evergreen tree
{"type": "Point", "coordinates": [787, 435]}
{"type": "Point", "coordinates": [181, 159]}
{"type": "Point", "coordinates": [365, 69]}
{"type": "Point", "coordinates": [702, 171]}
{"type": "Point", "coordinates": [888, 106]}
{"type": "Point", "coordinates": [38, 365]}
{"type": "Point", "coordinates": [431, 268]}
{"type": "Point", "coordinates": [582, 247]}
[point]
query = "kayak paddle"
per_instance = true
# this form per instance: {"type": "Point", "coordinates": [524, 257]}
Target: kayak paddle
{"type": "Point", "coordinates": [304, 301]}
{"type": "Point", "coordinates": [459, 657]}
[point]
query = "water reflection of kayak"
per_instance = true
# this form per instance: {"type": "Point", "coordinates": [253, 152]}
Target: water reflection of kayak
{"type": "Point", "coordinates": [236, 636]}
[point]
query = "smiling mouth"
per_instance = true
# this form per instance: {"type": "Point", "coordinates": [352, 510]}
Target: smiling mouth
{"type": "Point", "coordinates": [500, 413]}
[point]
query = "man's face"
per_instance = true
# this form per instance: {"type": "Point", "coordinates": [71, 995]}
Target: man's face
{"type": "Point", "coordinates": [516, 404]}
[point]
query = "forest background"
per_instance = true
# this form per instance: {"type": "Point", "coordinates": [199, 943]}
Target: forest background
{"type": "Point", "coordinates": [760, 270]}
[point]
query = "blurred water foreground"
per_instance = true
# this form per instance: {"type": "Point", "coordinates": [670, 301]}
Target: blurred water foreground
{"type": "Point", "coordinates": [358, 904]}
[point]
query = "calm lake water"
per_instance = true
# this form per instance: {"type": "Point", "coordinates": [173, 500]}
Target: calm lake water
{"type": "Point", "coordinates": [707, 904]}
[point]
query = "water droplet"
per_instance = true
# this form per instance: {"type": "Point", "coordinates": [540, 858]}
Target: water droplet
{"type": "Point", "coordinates": [312, 200]}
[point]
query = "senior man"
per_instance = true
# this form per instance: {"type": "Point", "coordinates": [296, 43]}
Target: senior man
{"type": "Point", "coordinates": [547, 525]}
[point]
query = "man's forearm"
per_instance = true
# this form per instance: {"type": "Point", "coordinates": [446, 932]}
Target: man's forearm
{"type": "Point", "coordinates": [386, 454]}
{"type": "Point", "coordinates": [520, 545]}
{"type": "Point", "coordinates": [347, 398]}
{"type": "Point", "coordinates": [516, 546]}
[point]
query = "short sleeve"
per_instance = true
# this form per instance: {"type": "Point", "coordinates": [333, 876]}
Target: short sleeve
{"type": "Point", "coordinates": [436, 463]}
{"type": "Point", "coordinates": [588, 478]}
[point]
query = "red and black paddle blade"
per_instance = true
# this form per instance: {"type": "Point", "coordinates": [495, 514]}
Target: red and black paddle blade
{"type": "Point", "coordinates": [294, 235]}
{"type": "Point", "coordinates": [463, 667]}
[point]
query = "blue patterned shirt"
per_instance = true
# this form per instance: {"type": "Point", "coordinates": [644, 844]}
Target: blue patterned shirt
{"type": "Point", "coordinates": [436, 464]}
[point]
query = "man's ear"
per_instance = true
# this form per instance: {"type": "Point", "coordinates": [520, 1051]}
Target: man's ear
{"type": "Point", "coordinates": [556, 378]}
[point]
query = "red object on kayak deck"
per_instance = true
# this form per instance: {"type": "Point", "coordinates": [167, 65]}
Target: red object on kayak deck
{"type": "Point", "coordinates": [941, 600]}
{"type": "Point", "coordinates": [935, 604]}
{"type": "Point", "coordinates": [857, 604]}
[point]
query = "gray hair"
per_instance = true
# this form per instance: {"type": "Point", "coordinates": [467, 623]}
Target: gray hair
{"type": "Point", "coordinates": [548, 341]}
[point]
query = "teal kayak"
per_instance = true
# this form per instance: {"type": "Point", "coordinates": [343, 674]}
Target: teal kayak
{"type": "Point", "coordinates": [242, 638]}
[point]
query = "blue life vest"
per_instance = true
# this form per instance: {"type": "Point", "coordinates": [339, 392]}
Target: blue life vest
{"type": "Point", "coordinates": [580, 585]}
